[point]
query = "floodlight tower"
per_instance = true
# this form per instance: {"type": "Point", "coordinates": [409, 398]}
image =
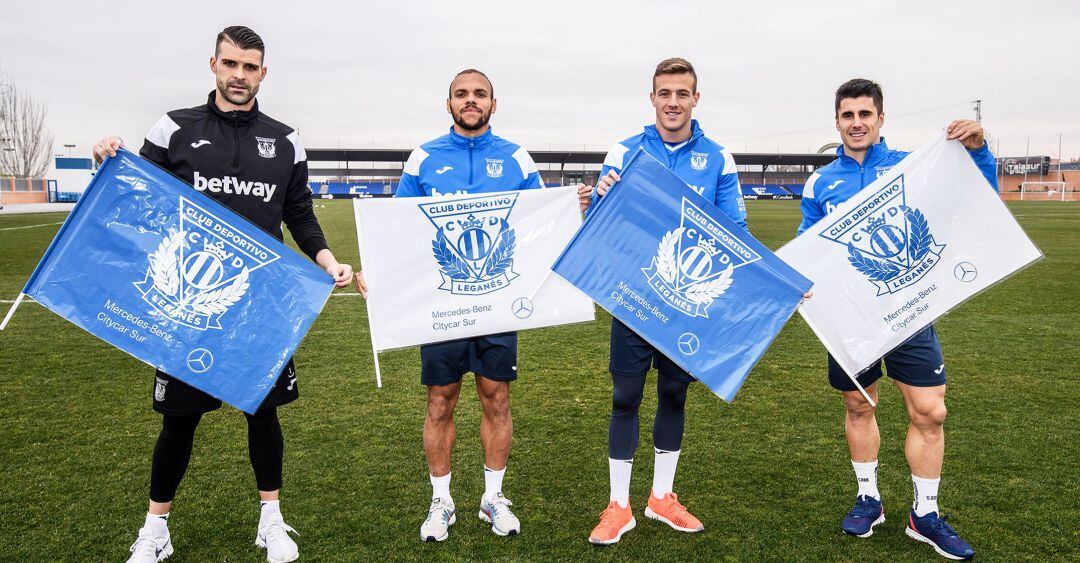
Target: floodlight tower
{"type": "Point", "coordinates": [977, 106]}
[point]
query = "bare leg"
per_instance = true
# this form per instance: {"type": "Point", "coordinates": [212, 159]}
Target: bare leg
{"type": "Point", "coordinates": [439, 431]}
{"type": "Point", "coordinates": [925, 444]}
{"type": "Point", "coordinates": [496, 426]}
{"type": "Point", "coordinates": [860, 425]}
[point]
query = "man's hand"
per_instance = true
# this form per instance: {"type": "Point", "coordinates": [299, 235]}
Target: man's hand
{"type": "Point", "coordinates": [342, 273]}
{"type": "Point", "coordinates": [967, 131]}
{"type": "Point", "coordinates": [107, 147]}
{"type": "Point", "coordinates": [584, 195]}
{"type": "Point", "coordinates": [809, 293]}
{"type": "Point", "coordinates": [361, 284]}
{"type": "Point", "coordinates": [606, 182]}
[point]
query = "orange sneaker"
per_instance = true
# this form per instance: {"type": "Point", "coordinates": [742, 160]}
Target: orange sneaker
{"type": "Point", "coordinates": [669, 511]}
{"type": "Point", "coordinates": [614, 522]}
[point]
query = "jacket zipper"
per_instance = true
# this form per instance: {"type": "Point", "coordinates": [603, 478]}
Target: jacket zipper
{"type": "Point", "coordinates": [470, 163]}
{"type": "Point", "coordinates": [236, 140]}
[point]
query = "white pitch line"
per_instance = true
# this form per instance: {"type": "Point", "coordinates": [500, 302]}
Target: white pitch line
{"type": "Point", "coordinates": [29, 300]}
{"type": "Point", "coordinates": [31, 226]}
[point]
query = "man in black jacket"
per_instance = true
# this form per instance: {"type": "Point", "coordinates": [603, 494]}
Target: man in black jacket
{"type": "Point", "coordinates": [256, 166]}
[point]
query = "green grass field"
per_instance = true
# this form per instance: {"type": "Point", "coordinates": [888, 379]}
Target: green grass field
{"type": "Point", "coordinates": [768, 475]}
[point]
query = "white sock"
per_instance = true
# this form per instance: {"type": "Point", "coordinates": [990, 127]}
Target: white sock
{"type": "Point", "coordinates": [267, 507]}
{"type": "Point", "coordinates": [664, 471]}
{"type": "Point", "coordinates": [158, 523]}
{"type": "Point", "coordinates": [866, 474]}
{"type": "Point", "coordinates": [440, 488]}
{"type": "Point", "coordinates": [619, 474]}
{"type": "Point", "coordinates": [493, 481]}
{"type": "Point", "coordinates": [925, 495]}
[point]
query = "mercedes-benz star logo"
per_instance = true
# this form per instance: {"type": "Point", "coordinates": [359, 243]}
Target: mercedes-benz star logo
{"type": "Point", "coordinates": [965, 271]}
{"type": "Point", "coordinates": [688, 343]}
{"type": "Point", "coordinates": [199, 360]}
{"type": "Point", "coordinates": [522, 308]}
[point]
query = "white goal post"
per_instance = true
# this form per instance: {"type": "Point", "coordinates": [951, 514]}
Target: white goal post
{"type": "Point", "coordinates": [1045, 191]}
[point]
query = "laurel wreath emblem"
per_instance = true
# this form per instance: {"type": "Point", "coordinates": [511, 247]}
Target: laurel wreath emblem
{"type": "Point", "coordinates": [163, 264]}
{"type": "Point", "coordinates": [918, 244]}
{"type": "Point", "coordinates": [876, 270]}
{"type": "Point", "coordinates": [667, 267]}
{"type": "Point", "coordinates": [219, 300]}
{"type": "Point", "coordinates": [165, 271]}
{"type": "Point", "coordinates": [449, 262]}
{"type": "Point", "coordinates": [502, 256]}
{"type": "Point", "coordinates": [919, 238]}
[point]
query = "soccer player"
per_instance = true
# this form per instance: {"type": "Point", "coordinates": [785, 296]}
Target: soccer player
{"type": "Point", "coordinates": [916, 366]}
{"type": "Point", "coordinates": [470, 159]}
{"type": "Point", "coordinates": [225, 143]}
{"type": "Point", "coordinates": [709, 169]}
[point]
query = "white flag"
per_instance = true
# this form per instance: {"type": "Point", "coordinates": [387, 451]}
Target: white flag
{"type": "Point", "coordinates": [926, 236]}
{"type": "Point", "coordinates": [441, 268]}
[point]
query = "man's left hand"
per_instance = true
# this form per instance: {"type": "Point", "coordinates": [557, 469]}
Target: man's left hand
{"type": "Point", "coordinates": [342, 274]}
{"type": "Point", "coordinates": [968, 132]}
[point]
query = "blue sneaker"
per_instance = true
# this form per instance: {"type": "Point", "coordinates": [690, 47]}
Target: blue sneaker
{"type": "Point", "coordinates": [867, 513]}
{"type": "Point", "coordinates": [937, 532]}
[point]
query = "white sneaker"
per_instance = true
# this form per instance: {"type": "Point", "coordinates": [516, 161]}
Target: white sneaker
{"type": "Point", "coordinates": [496, 511]}
{"type": "Point", "coordinates": [441, 515]}
{"type": "Point", "coordinates": [149, 548]}
{"type": "Point", "coordinates": [273, 536]}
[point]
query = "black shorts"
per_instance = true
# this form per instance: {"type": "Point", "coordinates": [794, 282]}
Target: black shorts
{"type": "Point", "coordinates": [172, 396]}
{"type": "Point", "coordinates": [493, 357]}
{"type": "Point", "coordinates": [632, 356]}
{"type": "Point", "coordinates": [917, 362]}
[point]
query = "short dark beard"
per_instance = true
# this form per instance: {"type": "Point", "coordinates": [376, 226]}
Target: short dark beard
{"type": "Point", "coordinates": [484, 118]}
{"type": "Point", "coordinates": [225, 95]}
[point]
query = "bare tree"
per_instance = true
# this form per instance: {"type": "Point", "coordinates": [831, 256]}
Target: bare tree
{"type": "Point", "coordinates": [25, 141]}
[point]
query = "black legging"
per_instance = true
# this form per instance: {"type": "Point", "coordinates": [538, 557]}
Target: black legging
{"type": "Point", "coordinates": [266, 448]}
{"type": "Point", "coordinates": [667, 426]}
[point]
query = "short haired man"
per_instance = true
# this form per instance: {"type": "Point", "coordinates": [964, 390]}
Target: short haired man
{"type": "Point", "coordinates": [709, 169]}
{"type": "Point", "coordinates": [469, 159]}
{"type": "Point", "coordinates": [917, 366]}
{"type": "Point", "coordinates": [216, 146]}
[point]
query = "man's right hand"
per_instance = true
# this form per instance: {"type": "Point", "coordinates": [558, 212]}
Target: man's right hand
{"type": "Point", "coordinates": [107, 147]}
{"type": "Point", "coordinates": [606, 182]}
{"type": "Point", "coordinates": [361, 285]}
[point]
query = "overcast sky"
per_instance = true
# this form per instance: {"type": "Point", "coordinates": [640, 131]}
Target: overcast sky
{"type": "Point", "coordinates": [566, 74]}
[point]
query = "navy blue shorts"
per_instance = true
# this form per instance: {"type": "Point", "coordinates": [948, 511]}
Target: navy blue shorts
{"type": "Point", "coordinates": [917, 362]}
{"type": "Point", "coordinates": [632, 356]}
{"type": "Point", "coordinates": [493, 357]}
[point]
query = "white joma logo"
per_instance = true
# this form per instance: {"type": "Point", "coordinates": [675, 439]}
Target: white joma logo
{"type": "Point", "coordinates": [199, 143]}
{"type": "Point", "coordinates": [231, 185]}
{"type": "Point", "coordinates": [444, 169]}
{"type": "Point", "coordinates": [939, 369]}
{"type": "Point", "coordinates": [834, 184]}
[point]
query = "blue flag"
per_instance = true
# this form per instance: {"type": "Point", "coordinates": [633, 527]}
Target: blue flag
{"type": "Point", "coordinates": [672, 267]}
{"type": "Point", "coordinates": [180, 281]}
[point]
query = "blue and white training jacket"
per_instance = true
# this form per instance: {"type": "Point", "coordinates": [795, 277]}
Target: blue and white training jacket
{"type": "Point", "coordinates": [705, 166]}
{"type": "Point", "coordinates": [453, 164]}
{"type": "Point", "coordinates": [842, 178]}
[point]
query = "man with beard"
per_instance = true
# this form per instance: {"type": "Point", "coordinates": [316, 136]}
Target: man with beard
{"type": "Point", "coordinates": [470, 159]}
{"type": "Point", "coordinates": [225, 147]}
{"type": "Point", "coordinates": [676, 140]}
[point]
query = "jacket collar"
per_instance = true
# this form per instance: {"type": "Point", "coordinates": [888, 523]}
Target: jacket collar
{"type": "Point", "coordinates": [874, 153]}
{"type": "Point", "coordinates": [695, 132]}
{"type": "Point", "coordinates": [240, 116]}
{"type": "Point", "coordinates": [477, 142]}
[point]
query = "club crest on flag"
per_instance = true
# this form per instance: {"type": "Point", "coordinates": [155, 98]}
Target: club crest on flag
{"type": "Point", "coordinates": [201, 270]}
{"type": "Point", "coordinates": [494, 167]}
{"type": "Point", "coordinates": [474, 243]}
{"type": "Point", "coordinates": [699, 160]}
{"type": "Point", "coordinates": [887, 241]}
{"type": "Point", "coordinates": [266, 147]}
{"type": "Point", "coordinates": [695, 261]}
